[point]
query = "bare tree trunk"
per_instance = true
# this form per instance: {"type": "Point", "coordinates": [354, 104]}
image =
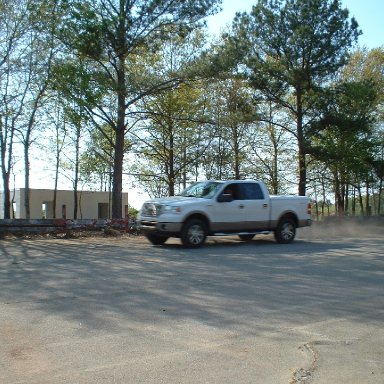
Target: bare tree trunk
{"type": "Point", "coordinates": [380, 193]}
{"type": "Point", "coordinates": [367, 199]}
{"type": "Point", "coordinates": [7, 196]}
{"type": "Point", "coordinates": [301, 144]}
{"type": "Point", "coordinates": [274, 141]}
{"type": "Point", "coordinates": [6, 148]}
{"type": "Point", "coordinates": [346, 197]}
{"type": "Point", "coordinates": [26, 180]}
{"type": "Point", "coordinates": [59, 144]}
{"type": "Point", "coordinates": [76, 176]}
{"type": "Point", "coordinates": [236, 150]}
{"type": "Point", "coordinates": [354, 202]}
{"type": "Point", "coordinates": [27, 145]}
{"type": "Point", "coordinates": [171, 160]}
{"type": "Point", "coordinates": [324, 197]}
{"type": "Point", "coordinates": [360, 200]}
{"type": "Point", "coordinates": [117, 179]}
{"type": "Point", "coordinates": [117, 183]}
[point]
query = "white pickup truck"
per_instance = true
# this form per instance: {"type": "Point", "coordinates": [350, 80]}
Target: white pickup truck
{"type": "Point", "coordinates": [214, 208]}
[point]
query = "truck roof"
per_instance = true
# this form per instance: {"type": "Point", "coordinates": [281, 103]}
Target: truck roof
{"type": "Point", "coordinates": [233, 181]}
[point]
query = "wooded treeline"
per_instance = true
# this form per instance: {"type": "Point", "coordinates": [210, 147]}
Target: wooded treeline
{"type": "Point", "coordinates": [106, 88]}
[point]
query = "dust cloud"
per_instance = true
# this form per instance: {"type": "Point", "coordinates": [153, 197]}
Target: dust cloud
{"type": "Point", "coordinates": [343, 227]}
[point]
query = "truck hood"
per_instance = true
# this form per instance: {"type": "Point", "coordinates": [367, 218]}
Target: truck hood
{"type": "Point", "coordinates": [175, 200]}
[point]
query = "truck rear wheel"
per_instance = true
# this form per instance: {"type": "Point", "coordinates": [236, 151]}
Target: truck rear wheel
{"type": "Point", "coordinates": [194, 233]}
{"type": "Point", "coordinates": [285, 231]}
{"type": "Point", "coordinates": [156, 239]}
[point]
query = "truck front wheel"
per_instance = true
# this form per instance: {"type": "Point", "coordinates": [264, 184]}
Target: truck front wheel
{"type": "Point", "coordinates": [194, 233]}
{"type": "Point", "coordinates": [156, 239]}
{"type": "Point", "coordinates": [285, 231]}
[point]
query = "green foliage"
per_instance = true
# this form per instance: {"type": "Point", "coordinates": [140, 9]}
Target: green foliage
{"type": "Point", "coordinates": [110, 29]}
{"type": "Point", "coordinates": [346, 121]}
{"type": "Point", "coordinates": [132, 212]}
{"type": "Point", "coordinates": [112, 37]}
{"type": "Point", "coordinates": [293, 43]}
{"type": "Point", "coordinates": [79, 83]}
{"type": "Point", "coordinates": [234, 109]}
{"type": "Point", "coordinates": [288, 50]}
{"type": "Point", "coordinates": [282, 85]}
{"type": "Point", "coordinates": [343, 136]}
{"type": "Point", "coordinates": [96, 163]}
{"type": "Point", "coordinates": [172, 137]}
{"type": "Point", "coordinates": [368, 66]}
{"type": "Point", "coordinates": [347, 108]}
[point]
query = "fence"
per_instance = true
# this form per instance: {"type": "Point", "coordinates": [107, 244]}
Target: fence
{"type": "Point", "coordinates": [62, 225]}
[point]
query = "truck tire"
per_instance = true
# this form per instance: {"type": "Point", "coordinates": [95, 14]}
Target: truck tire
{"type": "Point", "coordinates": [156, 239]}
{"type": "Point", "coordinates": [194, 233]}
{"type": "Point", "coordinates": [285, 231]}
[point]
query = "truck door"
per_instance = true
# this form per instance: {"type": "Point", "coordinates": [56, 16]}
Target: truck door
{"type": "Point", "coordinates": [254, 206]}
{"type": "Point", "coordinates": [228, 212]}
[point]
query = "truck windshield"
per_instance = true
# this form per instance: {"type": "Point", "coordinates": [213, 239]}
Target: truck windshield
{"type": "Point", "coordinates": [206, 189]}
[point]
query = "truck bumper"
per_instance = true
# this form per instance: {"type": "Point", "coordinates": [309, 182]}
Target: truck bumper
{"type": "Point", "coordinates": [159, 227]}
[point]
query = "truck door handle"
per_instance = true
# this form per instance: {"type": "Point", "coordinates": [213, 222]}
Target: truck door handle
{"type": "Point", "coordinates": [241, 206]}
{"type": "Point", "coordinates": [265, 205]}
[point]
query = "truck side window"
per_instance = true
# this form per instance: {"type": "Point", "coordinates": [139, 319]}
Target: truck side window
{"type": "Point", "coordinates": [233, 190]}
{"type": "Point", "coordinates": [251, 191]}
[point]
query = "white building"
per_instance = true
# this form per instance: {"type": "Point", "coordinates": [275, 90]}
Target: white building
{"type": "Point", "coordinates": [91, 205]}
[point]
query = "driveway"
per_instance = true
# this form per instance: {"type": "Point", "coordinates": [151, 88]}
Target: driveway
{"type": "Point", "coordinates": [122, 311]}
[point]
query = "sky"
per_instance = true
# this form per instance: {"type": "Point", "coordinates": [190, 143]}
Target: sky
{"type": "Point", "coordinates": [368, 13]}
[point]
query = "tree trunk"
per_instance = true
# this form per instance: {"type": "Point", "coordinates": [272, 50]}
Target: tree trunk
{"type": "Point", "coordinates": [360, 200]}
{"type": "Point", "coordinates": [26, 179]}
{"type": "Point", "coordinates": [27, 144]}
{"type": "Point", "coordinates": [76, 178]}
{"type": "Point", "coordinates": [301, 145]}
{"type": "Point", "coordinates": [54, 203]}
{"type": "Point", "coordinates": [346, 198]}
{"type": "Point", "coordinates": [323, 189]}
{"type": "Point", "coordinates": [275, 177]}
{"type": "Point", "coordinates": [367, 200]}
{"type": "Point", "coordinates": [171, 170]}
{"type": "Point", "coordinates": [236, 150]}
{"type": "Point", "coordinates": [58, 148]}
{"type": "Point", "coordinates": [6, 165]}
{"type": "Point", "coordinates": [338, 196]}
{"type": "Point", "coordinates": [380, 193]}
{"type": "Point", "coordinates": [354, 201]}
{"type": "Point", "coordinates": [117, 179]}
{"type": "Point", "coordinates": [7, 196]}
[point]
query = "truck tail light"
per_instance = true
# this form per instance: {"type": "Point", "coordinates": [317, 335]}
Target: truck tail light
{"type": "Point", "coordinates": [309, 209]}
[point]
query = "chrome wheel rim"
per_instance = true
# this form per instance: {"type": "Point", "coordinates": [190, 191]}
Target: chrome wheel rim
{"type": "Point", "coordinates": [196, 234]}
{"type": "Point", "coordinates": [287, 231]}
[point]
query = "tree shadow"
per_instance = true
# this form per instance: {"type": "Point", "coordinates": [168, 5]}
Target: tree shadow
{"type": "Point", "coordinates": [222, 284]}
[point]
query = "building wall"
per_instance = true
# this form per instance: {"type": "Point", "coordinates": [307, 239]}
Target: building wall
{"type": "Point", "coordinates": [91, 205]}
